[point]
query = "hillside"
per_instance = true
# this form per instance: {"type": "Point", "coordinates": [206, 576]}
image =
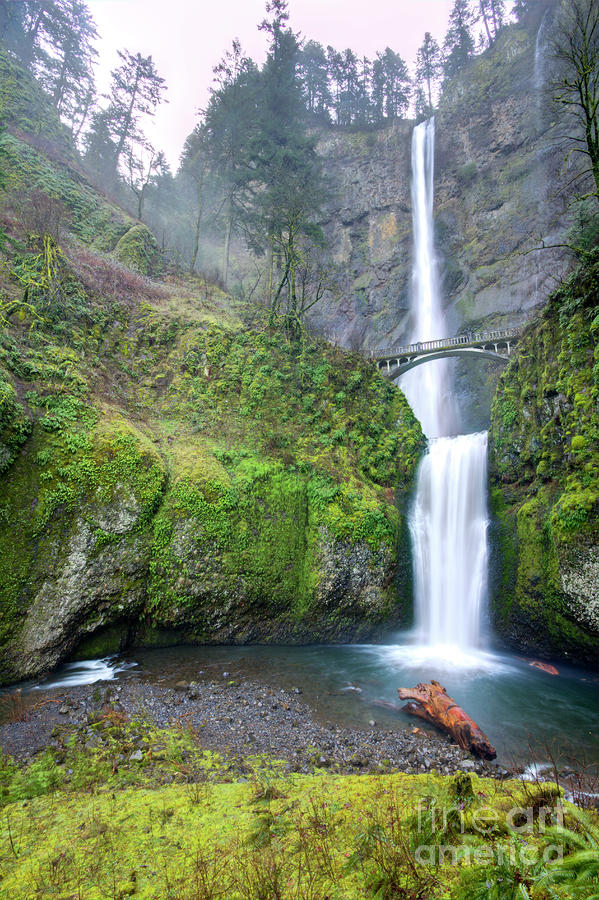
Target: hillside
{"type": "Point", "coordinates": [172, 467]}
{"type": "Point", "coordinates": [545, 468]}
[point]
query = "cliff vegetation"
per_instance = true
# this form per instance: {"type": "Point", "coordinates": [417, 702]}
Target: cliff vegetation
{"type": "Point", "coordinates": [545, 466]}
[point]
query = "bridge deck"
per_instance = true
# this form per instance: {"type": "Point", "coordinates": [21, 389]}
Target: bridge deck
{"type": "Point", "coordinates": [462, 340]}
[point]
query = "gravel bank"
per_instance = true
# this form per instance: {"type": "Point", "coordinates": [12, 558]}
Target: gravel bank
{"type": "Point", "coordinates": [241, 719]}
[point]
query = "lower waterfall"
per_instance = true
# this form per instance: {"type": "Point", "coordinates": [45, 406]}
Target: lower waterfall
{"type": "Point", "coordinates": [448, 526]}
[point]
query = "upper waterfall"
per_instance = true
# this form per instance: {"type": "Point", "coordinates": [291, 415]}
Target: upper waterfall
{"type": "Point", "coordinates": [428, 391]}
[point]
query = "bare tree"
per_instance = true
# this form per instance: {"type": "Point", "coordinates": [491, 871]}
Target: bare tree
{"type": "Point", "coordinates": [142, 163]}
{"type": "Point", "coordinates": [576, 48]}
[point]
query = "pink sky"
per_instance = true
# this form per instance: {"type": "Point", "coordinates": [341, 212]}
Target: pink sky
{"type": "Point", "coordinates": [187, 38]}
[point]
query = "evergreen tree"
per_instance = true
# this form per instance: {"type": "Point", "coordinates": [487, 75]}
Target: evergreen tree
{"type": "Point", "coordinates": [391, 85]}
{"type": "Point", "coordinates": [350, 87]}
{"type": "Point", "coordinates": [194, 169]}
{"type": "Point", "coordinates": [492, 15]}
{"type": "Point", "coordinates": [364, 113]}
{"type": "Point", "coordinates": [99, 149]}
{"type": "Point", "coordinates": [289, 191]}
{"type": "Point", "coordinates": [230, 121]}
{"type": "Point", "coordinates": [458, 46]}
{"type": "Point", "coordinates": [428, 65]}
{"type": "Point", "coordinates": [335, 67]}
{"type": "Point", "coordinates": [66, 69]}
{"type": "Point", "coordinates": [314, 73]}
{"type": "Point", "coordinates": [136, 90]}
{"type": "Point", "coordinates": [85, 103]}
{"type": "Point", "coordinates": [13, 28]}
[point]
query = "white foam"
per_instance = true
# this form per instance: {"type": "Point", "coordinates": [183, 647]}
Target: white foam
{"type": "Point", "coordinates": [86, 671]}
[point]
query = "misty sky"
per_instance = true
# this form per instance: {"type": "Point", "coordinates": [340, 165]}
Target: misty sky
{"type": "Point", "coordinates": [188, 37]}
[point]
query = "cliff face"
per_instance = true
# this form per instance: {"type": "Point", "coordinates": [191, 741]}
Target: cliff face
{"type": "Point", "coordinates": [544, 443]}
{"type": "Point", "coordinates": [169, 478]}
{"type": "Point", "coordinates": [170, 471]}
{"type": "Point", "coordinates": [496, 196]}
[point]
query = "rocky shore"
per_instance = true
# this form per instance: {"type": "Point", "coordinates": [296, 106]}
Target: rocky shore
{"type": "Point", "coordinates": [236, 719]}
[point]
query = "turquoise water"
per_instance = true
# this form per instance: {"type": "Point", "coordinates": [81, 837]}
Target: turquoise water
{"type": "Point", "coordinates": [526, 713]}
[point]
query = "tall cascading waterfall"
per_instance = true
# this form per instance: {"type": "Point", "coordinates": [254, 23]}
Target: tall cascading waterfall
{"type": "Point", "coordinates": [449, 519]}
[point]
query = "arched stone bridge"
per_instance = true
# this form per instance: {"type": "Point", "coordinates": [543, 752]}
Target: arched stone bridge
{"type": "Point", "coordinates": [496, 345]}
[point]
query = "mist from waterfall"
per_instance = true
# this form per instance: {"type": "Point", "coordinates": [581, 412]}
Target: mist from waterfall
{"type": "Point", "coordinates": [449, 520]}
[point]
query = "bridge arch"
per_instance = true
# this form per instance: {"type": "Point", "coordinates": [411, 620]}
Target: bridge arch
{"type": "Point", "coordinates": [394, 372]}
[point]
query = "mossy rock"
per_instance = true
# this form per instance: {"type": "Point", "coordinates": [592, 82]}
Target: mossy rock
{"type": "Point", "coordinates": [15, 425]}
{"type": "Point", "coordinates": [544, 445]}
{"type": "Point", "coordinates": [138, 250]}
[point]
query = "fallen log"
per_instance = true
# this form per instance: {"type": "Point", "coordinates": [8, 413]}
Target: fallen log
{"type": "Point", "coordinates": [432, 703]}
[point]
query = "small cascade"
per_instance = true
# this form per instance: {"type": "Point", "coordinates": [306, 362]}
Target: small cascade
{"type": "Point", "coordinates": [540, 55]}
{"type": "Point", "coordinates": [449, 536]}
{"type": "Point", "coordinates": [449, 519]}
{"type": "Point", "coordinates": [540, 70]}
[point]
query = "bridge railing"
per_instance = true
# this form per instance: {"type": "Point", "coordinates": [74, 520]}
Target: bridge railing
{"type": "Point", "coordinates": [445, 343]}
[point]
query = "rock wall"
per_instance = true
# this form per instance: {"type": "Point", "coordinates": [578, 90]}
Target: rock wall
{"type": "Point", "coordinates": [235, 487]}
{"type": "Point", "coordinates": [498, 171]}
{"type": "Point", "coordinates": [544, 444]}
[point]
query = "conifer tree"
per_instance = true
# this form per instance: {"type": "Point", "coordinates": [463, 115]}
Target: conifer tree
{"type": "Point", "coordinates": [314, 74]}
{"type": "Point", "coordinates": [230, 121]}
{"type": "Point", "coordinates": [289, 191]}
{"type": "Point", "coordinates": [492, 15]}
{"type": "Point", "coordinates": [458, 46]}
{"type": "Point", "coordinates": [66, 69]}
{"type": "Point", "coordinates": [391, 85]}
{"type": "Point", "coordinates": [428, 64]}
{"type": "Point", "coordinates": [136, 90]}
{"type": "Point", "coordinates": [195, 168]}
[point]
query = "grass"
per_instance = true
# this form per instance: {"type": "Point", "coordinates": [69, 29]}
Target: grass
{"type": "Point", "coordinates": [216, 834]}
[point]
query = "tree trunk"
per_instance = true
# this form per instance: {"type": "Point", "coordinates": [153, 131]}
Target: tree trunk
{"type": "Point", "coordinates": [140, 200]}
{"type": "Point", "coordinates": [196, 235]}
{"type": "Point", "coordinates": [486, 22]}
{"type": "Point", "coordinates": [226, 250]}
{"type": "Point", "coordinates": [269, 266]}
{"type": "Point", "coordinates": [127, 122]}
{"type": "Point", "coordinates": [86, 108]}
{"type": "Point", "coordinates": [433, 704]}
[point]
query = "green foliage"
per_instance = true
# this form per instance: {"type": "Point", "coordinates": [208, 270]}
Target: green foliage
{"type": "Point", "coordinates": [544, 448]}
{"type": "Point", "coordinates": [138, 249]}
{"type": "Point", "coordinates": [24, 105]}
{"type": "Point", "coordinates": [112, 828]}
{"type": "Point", "coordinates": [15, 425]}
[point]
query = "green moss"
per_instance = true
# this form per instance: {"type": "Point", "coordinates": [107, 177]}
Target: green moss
{"type": "Point", "coordinates": [82, 824]}
{"type": "Point", "coordinates": [544, 442]}
{"type": "Point", "coordinates": [138, 250]}
{"type": "Point", "coordinates": [76, 464]}
{"type": "Point", "coordinates": [15, 425]}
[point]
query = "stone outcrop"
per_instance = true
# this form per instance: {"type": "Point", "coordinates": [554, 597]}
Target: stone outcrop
{"type": "Point", "coordinates": [545, 480]}
{"type": "Point", "coordinates": [498, 173]}
{"type": "Point", "coordinates": [116, 531]}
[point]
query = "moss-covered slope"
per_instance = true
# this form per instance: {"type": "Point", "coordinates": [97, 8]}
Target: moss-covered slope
{"type": "Point", "coordinates": [170, 466]}
{"type": "Point", "coordinates": [545, 462]}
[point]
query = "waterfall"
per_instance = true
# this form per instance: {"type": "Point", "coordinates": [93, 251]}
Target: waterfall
{"type": "Point", "coordinates": [540, 47]}
{"type": "Point", "coordinates": [448, 521]}
{"type": "Point", "coordinates": [428, 387]}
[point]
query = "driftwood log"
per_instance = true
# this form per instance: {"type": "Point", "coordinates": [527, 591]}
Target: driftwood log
{"type": "Point", "coordinates": [432, 703]}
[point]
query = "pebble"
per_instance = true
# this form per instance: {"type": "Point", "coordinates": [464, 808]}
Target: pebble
{"type": "Point", "coordinates": [247, 719]}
